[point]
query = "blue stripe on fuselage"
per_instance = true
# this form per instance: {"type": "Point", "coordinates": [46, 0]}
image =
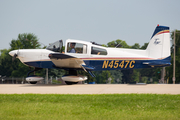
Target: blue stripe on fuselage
{"type": "Point", "coordinates": [41, 64]}
{"type": "Point", "coordinates": [126, 64]}
{"type": "Point", "coordinates": [109, 64]}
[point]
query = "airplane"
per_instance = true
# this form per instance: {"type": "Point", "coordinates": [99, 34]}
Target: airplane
{"type": "Point", "coordinates": [90, 56]}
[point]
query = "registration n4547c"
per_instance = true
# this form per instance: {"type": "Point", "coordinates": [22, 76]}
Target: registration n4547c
{"type": "Point", "coordinates": [118, 64]}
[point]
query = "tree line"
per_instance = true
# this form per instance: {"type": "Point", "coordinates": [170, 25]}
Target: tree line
{"type": "Point", "coordinates": [10, 68]}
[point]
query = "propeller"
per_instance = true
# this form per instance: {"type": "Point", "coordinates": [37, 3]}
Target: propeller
{"type": "Point", "coordinates": [14, 57]}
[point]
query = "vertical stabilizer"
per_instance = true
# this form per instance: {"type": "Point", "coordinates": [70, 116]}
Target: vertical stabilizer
{"type": "Point", "coordinates": [159, 45]}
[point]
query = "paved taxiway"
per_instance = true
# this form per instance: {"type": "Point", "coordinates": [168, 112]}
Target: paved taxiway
{"type": "Point", "coordinates": [89, 89]}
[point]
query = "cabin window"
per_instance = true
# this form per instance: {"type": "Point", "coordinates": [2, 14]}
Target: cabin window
{"type": "Point", "coordinates": [73, 47]}
{"type": "Point", "coordinates": [98, 51]}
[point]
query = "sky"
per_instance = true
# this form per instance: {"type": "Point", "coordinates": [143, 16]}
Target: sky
{"type": "Point", "coordinates": [101, 21]}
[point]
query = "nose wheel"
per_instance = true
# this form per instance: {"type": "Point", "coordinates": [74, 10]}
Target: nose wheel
{"type": "Point", "coordinates": [33, 82]}
{"type": "Point", "coordinates": [32, 79]}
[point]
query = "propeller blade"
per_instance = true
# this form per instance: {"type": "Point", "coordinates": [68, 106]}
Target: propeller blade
{"type": "Point", "coordinates": [14, 57]}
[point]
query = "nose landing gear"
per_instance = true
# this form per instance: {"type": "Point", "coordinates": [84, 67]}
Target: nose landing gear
{"type": "Point", "coordinates": [33, 79]}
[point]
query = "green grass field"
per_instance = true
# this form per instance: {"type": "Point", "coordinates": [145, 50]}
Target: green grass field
{"type": "Point", "coordinates": [93, 107]}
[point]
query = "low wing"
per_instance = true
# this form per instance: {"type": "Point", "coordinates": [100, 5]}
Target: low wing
{"type": "Point", "coordinates": [67, 61]}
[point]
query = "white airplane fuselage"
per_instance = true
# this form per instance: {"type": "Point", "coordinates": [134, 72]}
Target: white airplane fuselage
{"type": "Point", "coordinates": [92, 57]}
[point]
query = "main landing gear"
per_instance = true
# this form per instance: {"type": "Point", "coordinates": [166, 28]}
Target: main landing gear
{"type": "Point", "coordinates": [70, 83]}
{"type": "Point", "coordinates": [71, 73]}
{"type": "Point", "coordinates": [73, 77]}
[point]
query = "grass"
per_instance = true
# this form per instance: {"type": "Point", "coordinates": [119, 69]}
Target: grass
{"type": "Point", "coordinates": [92, 107]}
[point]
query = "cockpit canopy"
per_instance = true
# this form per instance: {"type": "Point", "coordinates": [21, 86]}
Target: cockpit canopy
{"type": "Point", "coordinates": [56, 46]}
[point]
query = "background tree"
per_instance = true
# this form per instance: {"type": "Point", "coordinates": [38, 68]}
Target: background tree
{"type": "Point", "coordinates": [144, 46]}
{"type": "Point", "coordinates": [56, 72]}
{"type": "Point", "coordinates": [6, 66]}
{"type": "Point", "coordinates": [102, 76]}
{"type": "Point", "coordinates": [135, 76]}
{"type": "Point", "coordinates": [16, 68]}
{"type": "Point", "coordinates": [25, 41]}
{"type": "Point", "coordinates": [135, 46]}
{"type": "Point", "coordinates": [118, 43]}
{"type": "Point", "coordinates": [116, 76]}
{"type": "Point", "coordinates": [169, 70]}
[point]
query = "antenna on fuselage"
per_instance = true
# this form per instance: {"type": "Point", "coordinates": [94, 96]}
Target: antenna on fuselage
{"type": "Point", "coordinates": [95, 43]}
{"type": "Point", "coordinates": [118, 45]}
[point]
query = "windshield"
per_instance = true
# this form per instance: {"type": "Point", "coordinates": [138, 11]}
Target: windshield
{"type": "Point", "coordinates": [56, 46]}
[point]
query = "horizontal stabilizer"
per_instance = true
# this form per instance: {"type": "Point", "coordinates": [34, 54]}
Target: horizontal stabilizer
{"type": "Point", "coordinates": [157, 63]}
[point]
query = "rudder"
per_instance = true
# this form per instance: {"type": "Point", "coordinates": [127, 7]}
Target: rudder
{"type": "Point", "coordinates": [159, 45]}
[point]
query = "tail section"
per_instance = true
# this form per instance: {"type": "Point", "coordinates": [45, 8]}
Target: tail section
{"type": "Point", "coordinates": [159, 45]}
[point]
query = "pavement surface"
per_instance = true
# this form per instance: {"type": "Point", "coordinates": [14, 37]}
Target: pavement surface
{"type": "Point", "coordinates": [89, 89]}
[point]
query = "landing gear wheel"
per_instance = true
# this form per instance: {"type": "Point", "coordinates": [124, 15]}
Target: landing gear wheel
{"type": "Point", "coordinates": [70, 83]}
{"type": "Point", "coordinates": [33, 82]}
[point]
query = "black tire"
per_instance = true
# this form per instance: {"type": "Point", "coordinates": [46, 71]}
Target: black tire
{"type": "Point", "coordinates": [33, 82]}
{"type": "Point", "coordinates": [70, 83]}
